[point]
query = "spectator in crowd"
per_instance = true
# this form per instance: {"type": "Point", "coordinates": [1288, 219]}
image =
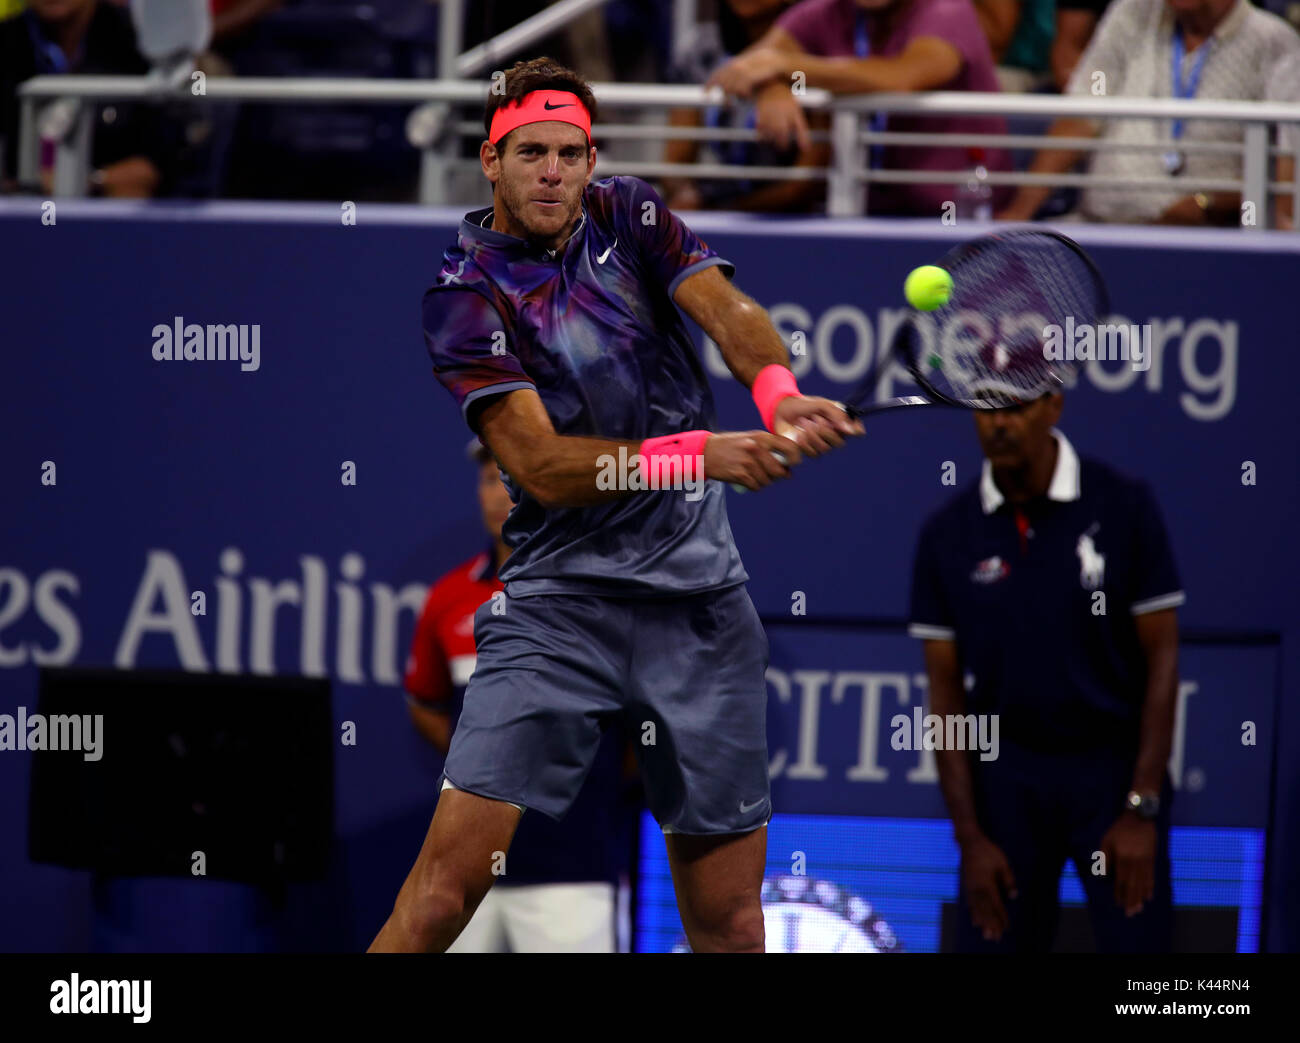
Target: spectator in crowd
{"type": "Point", "coordinates": [860, 46]}
{"type": "Point", "coordinates": [133, 144]}
{"type": "Point", "coordinates": [557, 889]}
{"type": "Point", "coordinates": [1008, 581]}
{"type": "Point", "coordinates": [213, 128]}
{"type": "Point", "coordinates": [1210, 49]}
{"type": "Point", "coordinates": [1284, 85]}
{"type": "Point", "coordinates": [1020, 36]}
{"type": "Point", "coordinates": [232, 19]}
{"type": "Point", "coordinates": [1076, 21]}
{"type": "Point", "coordinates": [740, 24]}
{"type": "Point", "coordinates": [582, 44]}
{"type": "Point", "coordinates": [200, 161]}
{"type": "Point", "coordinates": [637, 40]}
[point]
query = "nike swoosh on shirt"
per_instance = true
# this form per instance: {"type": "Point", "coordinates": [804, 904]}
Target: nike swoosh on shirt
{"type": "Point", "coordinates": [600, 258]}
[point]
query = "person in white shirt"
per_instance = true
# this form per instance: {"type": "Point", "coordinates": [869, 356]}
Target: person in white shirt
{"type": "Point", "coordinates": [1208, 49]}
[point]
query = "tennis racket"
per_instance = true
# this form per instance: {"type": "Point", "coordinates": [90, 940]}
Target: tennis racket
{"type": "Point", "coordinates": [985, 348]}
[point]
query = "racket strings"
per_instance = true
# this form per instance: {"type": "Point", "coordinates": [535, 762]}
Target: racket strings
{"type": "Point", "coordinates": [987, 347]}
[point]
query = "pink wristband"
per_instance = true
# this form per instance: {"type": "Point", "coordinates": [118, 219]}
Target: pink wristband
{"type": "Point", "coordinates": [772, 384]}
{"type": "Point", "coordinates": [669, 459]}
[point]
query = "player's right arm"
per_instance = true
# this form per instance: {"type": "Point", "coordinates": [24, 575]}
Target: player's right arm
{"type": "Point", "coordinates": [474, 357]}
{"type": "Point", "coordinates": [561, 471]}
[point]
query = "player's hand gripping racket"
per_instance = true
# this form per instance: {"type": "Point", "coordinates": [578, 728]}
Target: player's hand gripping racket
{"type": "Point", "coordinates": [986, 348]}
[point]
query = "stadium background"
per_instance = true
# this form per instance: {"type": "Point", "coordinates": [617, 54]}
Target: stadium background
{"type": "Point", "coordinates": [201, 470]}
{"type": "Point", "coordinates": [176, 477]}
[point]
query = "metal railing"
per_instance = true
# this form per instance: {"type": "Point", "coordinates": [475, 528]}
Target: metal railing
{"type": "Point", "coordinates": [848, 175]}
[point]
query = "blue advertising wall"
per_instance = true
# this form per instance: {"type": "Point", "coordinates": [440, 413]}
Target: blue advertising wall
{"type": "Point", "coordinates": [855, 812]}
{"type": "Point", "coordinates": [175, 477]}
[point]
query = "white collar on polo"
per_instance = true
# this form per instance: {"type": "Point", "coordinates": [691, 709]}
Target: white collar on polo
{"type": "Point", "coordinates": [1065, 484]}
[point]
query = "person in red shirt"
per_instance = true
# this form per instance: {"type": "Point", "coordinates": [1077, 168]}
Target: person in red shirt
{"type": "Point", "coordinates": [558, 890]}
{"type": "Point", "coordinates": [442, 653]}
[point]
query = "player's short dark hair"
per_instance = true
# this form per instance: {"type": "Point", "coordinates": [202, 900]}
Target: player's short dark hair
{"type": "Point", "coordinates": [536, 74]}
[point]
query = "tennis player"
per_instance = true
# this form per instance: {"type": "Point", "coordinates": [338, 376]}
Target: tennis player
{"type": "Point", "coordinates": [554, 324]}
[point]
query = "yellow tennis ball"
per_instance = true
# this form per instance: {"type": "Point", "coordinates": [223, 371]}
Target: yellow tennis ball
{"type": "Point", "coordinates": [927, 287]}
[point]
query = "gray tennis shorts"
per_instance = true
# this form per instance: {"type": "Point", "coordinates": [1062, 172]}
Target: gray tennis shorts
{"type": "Point", "coordinates": [684, 674]}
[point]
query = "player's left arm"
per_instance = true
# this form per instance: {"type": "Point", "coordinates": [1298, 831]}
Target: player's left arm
{"type": "Point", "coordinates": [749, 343]}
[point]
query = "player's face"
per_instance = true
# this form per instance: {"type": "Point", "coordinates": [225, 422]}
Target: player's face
{"type": "Point", "coordinates": [1012, 438]}
{"type": "Point", "coordinates": [539, 179]}
{"type": "Point", "coordinates": [493, 500]}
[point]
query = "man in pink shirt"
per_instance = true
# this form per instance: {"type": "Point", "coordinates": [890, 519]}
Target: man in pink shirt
{"type": "Point", "coordinates": [859, 46]}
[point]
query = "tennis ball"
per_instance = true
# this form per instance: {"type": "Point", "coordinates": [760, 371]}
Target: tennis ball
{"type": "Point", "coordinates": [927, 287]}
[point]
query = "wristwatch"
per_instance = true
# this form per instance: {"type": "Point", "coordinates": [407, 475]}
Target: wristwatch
{"type": "Point", "coordinates": [1145, 805]}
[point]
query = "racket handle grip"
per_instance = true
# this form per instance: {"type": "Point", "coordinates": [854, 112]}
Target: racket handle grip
{"type": "Point", "coordinates": [780, 458]}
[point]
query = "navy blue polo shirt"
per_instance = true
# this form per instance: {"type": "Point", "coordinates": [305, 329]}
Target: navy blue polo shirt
{"type": "Point", "coordinates": [1016, 589]}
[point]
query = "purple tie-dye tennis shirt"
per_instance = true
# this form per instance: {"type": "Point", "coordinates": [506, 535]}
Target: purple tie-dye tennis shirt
{"type": "Point", "coordinates": [595, 333]}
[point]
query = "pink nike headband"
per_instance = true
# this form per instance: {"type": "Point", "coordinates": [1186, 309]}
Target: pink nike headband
{"type": "Point", "coordinates": [537, 107]}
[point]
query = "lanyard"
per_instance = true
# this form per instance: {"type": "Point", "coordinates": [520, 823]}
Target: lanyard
{"type": "Point", "coordinates": [862, 48]}
{"type": "Point", "coordinates": [1188, 89]}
